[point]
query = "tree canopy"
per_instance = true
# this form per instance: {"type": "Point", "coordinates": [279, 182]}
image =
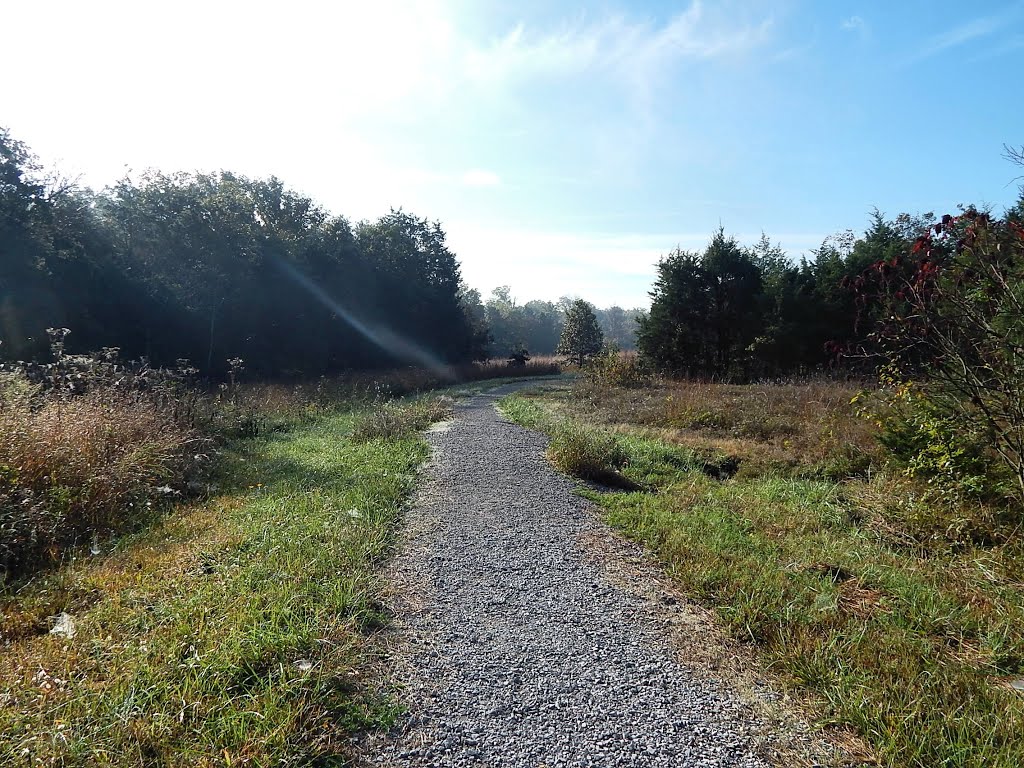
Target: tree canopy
{"type": "Point", "coordinates": [581, 335]}
{"type": "Point", "coordinates": [738, 312]}
{"type": "Point", "coordinates": [213, 266]}
{"type": "Point", "coordinates": [705, 310]}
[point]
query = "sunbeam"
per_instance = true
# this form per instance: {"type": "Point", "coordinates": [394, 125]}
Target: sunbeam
{"type": "Point", "coordinates": [385, 338]}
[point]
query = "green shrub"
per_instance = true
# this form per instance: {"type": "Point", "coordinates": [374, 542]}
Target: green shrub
{"type": "Point", "coordinates": [16, 390]}
{"type": "Point", "coordinates": [952, 454]}
{"type": "Point", "coordinates": [844, 461]}
{"type": "Point", "coordinates": [585, 453]}
{"type": "Point", "coordinates": [614, 368]}
{"type": "Point", "coordinates": [953, 325]}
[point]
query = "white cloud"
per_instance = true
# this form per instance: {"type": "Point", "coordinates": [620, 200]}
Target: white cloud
{"type": "Point", "coordinates": [975, 29]}
{"type": "Point", "coordinates": [961, 34]}
{"type": "Point", "coordinates": [696, 33]}
{"type": "Point", "coordinates": [1010, 45]}
{"type": "Point", "coordinates": [478, 178]}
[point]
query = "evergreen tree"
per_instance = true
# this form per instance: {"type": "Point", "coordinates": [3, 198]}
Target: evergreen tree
{"type": "Point", "coordinates": [705, 311]}
{"type": "Point", "coordinates": [673, 336]}
{"type": "Point", "coordinates": [734, 281]}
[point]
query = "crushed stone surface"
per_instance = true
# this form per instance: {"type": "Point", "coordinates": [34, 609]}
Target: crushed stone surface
{"type": "Point", "coordinates": [513, 648]}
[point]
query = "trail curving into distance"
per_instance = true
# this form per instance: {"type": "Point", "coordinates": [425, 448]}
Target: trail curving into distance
{"type": "Point", "coordinates": [514, 649]}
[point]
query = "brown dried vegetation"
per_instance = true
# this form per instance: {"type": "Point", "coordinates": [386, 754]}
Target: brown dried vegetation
{"type": "Point", "coordinates": [784, 428]}
{"type": "Point", "coordinates": [75, 468]}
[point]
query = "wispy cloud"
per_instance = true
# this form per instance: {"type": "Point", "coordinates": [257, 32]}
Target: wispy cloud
{"type": "Point", "coordinates": [967, 32]}
{"type": "Point", "coordinates": [613, 77]}
{"type": "Point", "coordinates": [1014, 43]}
{"type": "Point", "coordinates": [854, 24]}
{"type": "Point", "coordinates": [962, 34]}
{"type": "Point", "coordinates": [699, 34]}
{"type": "Point", "coordinates": [635, 49]}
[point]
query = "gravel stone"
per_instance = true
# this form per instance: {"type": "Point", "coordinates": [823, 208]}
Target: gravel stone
{"type": "Point", "coordinates": [513, 649]}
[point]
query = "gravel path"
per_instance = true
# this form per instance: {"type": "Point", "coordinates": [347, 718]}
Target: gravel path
{"type": "Point", "coordinates": [515, 648]}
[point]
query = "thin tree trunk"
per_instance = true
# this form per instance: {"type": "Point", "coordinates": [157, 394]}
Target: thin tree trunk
{"type": "Point", "coordinates": [209, 354]}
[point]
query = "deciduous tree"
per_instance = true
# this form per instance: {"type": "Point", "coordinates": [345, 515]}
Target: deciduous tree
{"type": "Point", "coordinates": [581, 334]}
{"type": "Point", "coordinates": [952, 337]}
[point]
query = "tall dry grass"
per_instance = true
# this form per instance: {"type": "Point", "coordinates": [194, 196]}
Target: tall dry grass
{"type": "Point", "coordinates": [780, 427]}
{"type": "Point", "coordinates": [90, 445]}
{"type": "Point", "coordinates": [76, 468]}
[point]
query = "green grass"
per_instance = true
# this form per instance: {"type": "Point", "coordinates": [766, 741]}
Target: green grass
{"type": "Point", "coordinates": [527, 412]}
{"type": "Point", "coordinates": [906, 641]}
{"type": "Point", "coordinates": [398, 419]}
{"type": "Point", "coordinates": [588, 454]}
{"type": "Point", "coordinates": [233, 633]}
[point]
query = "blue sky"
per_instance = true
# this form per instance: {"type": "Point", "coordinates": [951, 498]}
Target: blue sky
{"type": "Point", "coordinates": [564, 146]}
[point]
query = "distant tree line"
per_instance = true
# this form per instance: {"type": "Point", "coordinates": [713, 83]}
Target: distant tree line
{"type": "Point", "coordinates": [536, 326]}
{"type": "Point", "coordinates": [212, 267]}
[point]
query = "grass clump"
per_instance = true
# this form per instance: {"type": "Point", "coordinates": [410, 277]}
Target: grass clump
{"type": "Point", "coordinates": [397, 419]}
{"type": "Point", "coordinates": [525, 410]}
{"type": "Point", "coordinates": [590, 454]}
{"type": "Point", "coordinates": [81, 467]}
{"type": "Point", "coordinates": [613, 367]}
{"type": "Point", "coordinates": [586, 453]}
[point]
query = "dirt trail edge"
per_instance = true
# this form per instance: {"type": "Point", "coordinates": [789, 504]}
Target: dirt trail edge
{"type": "Point", "coordinates": [516, 641]}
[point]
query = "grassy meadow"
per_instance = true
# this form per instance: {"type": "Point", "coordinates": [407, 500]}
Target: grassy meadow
{"type": "Point", "coordinates": [897, 610]}
{"type": "Point", "coordinates": [195, 578]}
{"type": "Point", "coordinates": [231, 633]}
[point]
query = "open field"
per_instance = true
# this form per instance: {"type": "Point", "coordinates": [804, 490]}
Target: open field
{"type": "Point", "coordinates": [897, 612]}
{"type": "Point", "coordinates": [231, 629]}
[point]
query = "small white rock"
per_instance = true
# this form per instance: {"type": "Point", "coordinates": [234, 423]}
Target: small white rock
{"type": "Point", "coordinates": [64, 625]}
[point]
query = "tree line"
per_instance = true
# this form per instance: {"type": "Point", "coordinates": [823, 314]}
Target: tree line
{"type": "Point", "coordinates": [745, 312]}
{"type": "Point", "coordinates": [536, 327]}
{"type": "Point", "coordinates": [212, 267]}
{"type": "Point", "coordinates": [215, 266]}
